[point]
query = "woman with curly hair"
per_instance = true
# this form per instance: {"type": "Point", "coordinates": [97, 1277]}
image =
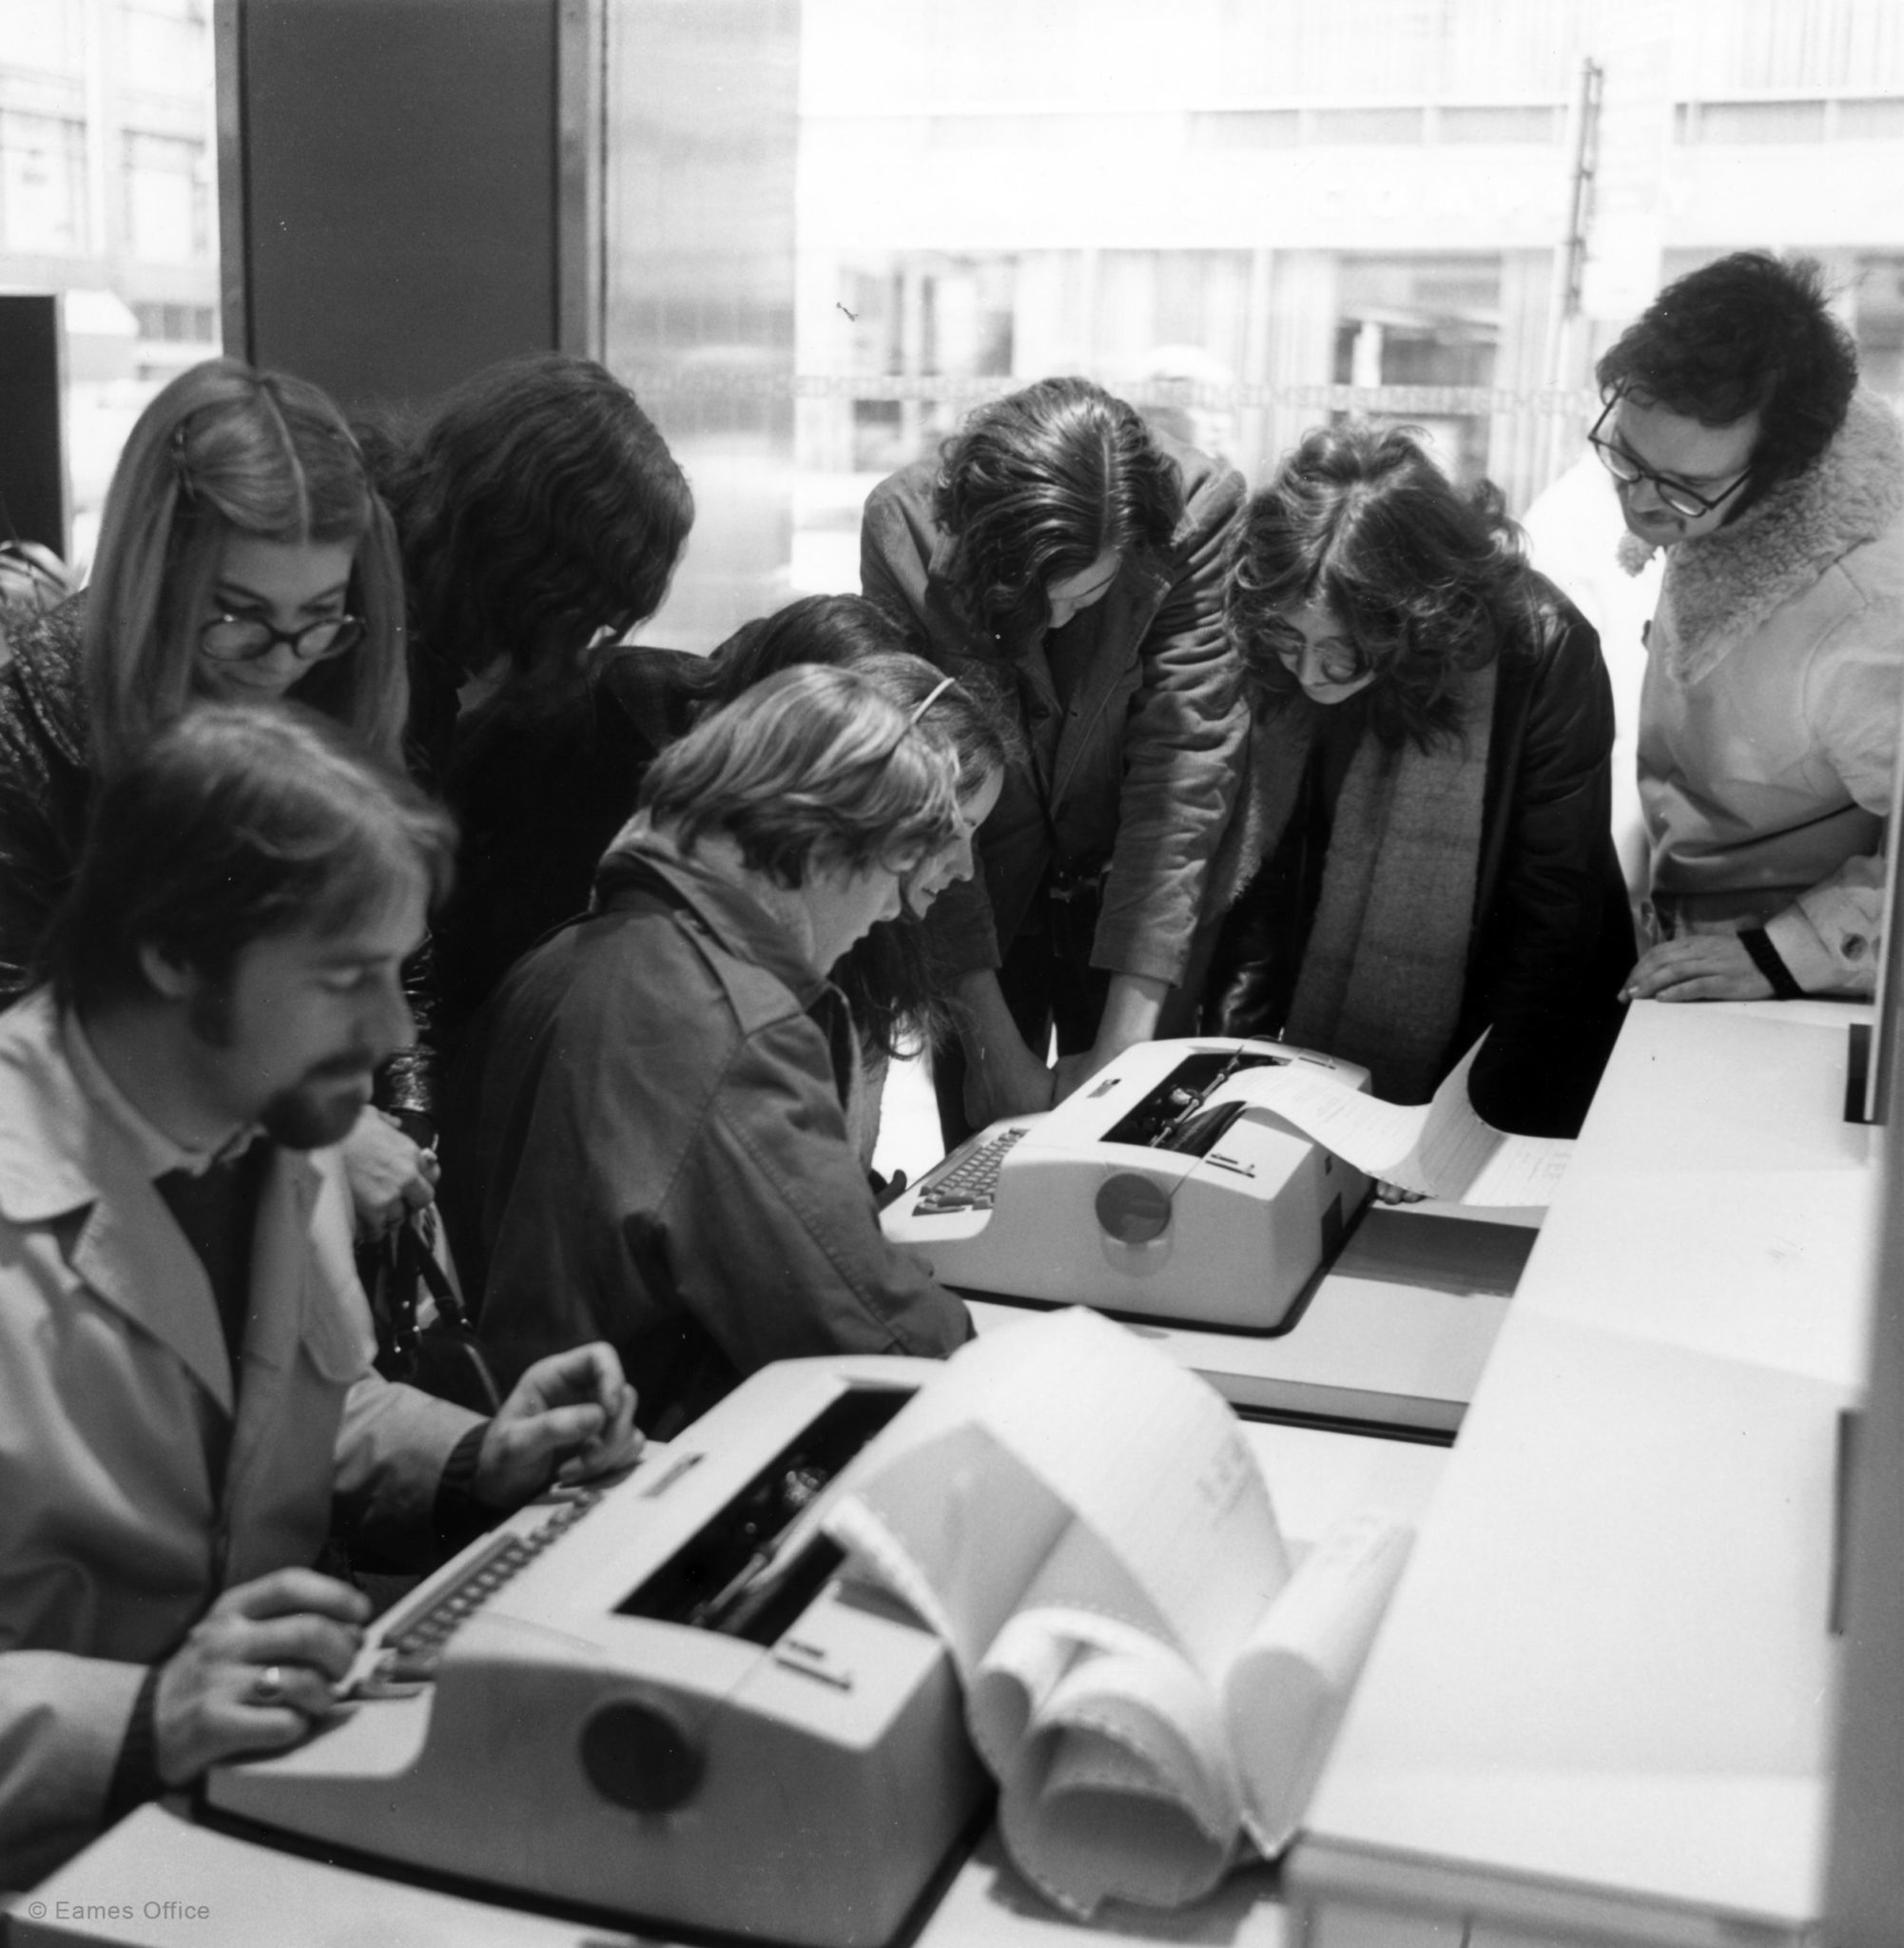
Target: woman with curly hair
{"type": "Point", "coordinates": [1424, 847]}
{"type": "Point", "coordinates": [1062, 555]}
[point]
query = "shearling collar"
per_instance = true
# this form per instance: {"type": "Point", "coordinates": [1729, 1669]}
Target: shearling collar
{"type": "Point", "coordinates": [1721, 589]}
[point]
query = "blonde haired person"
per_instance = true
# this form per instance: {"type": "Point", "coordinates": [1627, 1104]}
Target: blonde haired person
{"type": "Point", "coordinates": [646, 1130]}
{"type": "Point", "coordinates": [243, 556]}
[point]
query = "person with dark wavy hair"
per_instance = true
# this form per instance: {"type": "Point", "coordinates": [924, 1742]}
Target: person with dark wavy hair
{"type": "Point", "coordinates": [540, 514]}
{"type": "Point", "coordinates": [1423, 851]}
{"type": "Point", "coordinates": [1739, 444]}
{"type": "Point", "coordinates": [1066, 556]}
{"type": "Point", "coordinates": [1747, 337]}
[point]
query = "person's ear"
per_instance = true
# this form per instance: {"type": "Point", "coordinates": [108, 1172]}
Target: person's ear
{"type": "Point", "coordinates": [166, 974]}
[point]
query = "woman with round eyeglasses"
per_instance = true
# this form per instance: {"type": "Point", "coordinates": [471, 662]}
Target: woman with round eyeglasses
{"type": "Point", "coordinates": [242, 556]}
{"type": "Point", "coordinates": [1422, 851]}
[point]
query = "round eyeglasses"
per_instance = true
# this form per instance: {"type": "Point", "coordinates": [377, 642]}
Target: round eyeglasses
{"type": "Point", "coordinates": [1673, 495]}
{"type": "Point", "coordinates": [245, 639]}
{"type": "Point", "coordinates": [1336, 665]}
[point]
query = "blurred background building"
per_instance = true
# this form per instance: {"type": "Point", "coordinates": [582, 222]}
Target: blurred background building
{"type": "Point", "coordinates": [826, 227]}
{"type": "Point", "coordinates": [109, 198]}
{"type": "Point", "coordinates": [1254, 214]}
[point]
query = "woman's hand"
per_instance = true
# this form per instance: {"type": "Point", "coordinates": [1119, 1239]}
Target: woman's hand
{"type": "Point", "coordinates": [1697, 966]}
{"type": "Point", "coordinates": [389, 1175]}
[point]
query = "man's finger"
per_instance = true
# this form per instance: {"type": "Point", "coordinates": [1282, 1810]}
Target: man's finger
{"type": "Point", "coordinates": [289, 1592]}
{"type": "Point", "coordinates": [274, 1689]}
{"type": "Point", "coordinates": [314, 1643]}
{"type": "Point", "coordinates": [617, 1445]}
{"type": "Point", "coordinates": [591, 1373]}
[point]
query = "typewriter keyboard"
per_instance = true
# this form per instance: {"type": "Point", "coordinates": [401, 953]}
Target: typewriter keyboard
{"type": "Point", "coordinates": [973, 1184]}
{"type": "Point", "coordinates": [409, 1655]}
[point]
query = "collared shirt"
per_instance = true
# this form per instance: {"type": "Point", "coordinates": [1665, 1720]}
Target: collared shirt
{"type": "Point", "coordinates": [212, 1194]}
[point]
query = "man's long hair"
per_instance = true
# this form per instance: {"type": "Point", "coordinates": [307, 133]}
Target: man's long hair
{"type": "Point", "coordinates": [1036, 486]}
{"type": "Point", "coordinates": [811, 768]}
{"type": "Point", "coordinates": [537, 507]}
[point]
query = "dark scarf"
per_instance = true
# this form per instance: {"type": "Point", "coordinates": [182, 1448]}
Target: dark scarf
{"type": "Point", "coordinates": [1387, 959]}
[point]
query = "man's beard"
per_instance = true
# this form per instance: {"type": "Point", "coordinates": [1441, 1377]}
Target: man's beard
{"type": "Point", "coordinates": [314, 1111]}
{"type": "Point", "coordinates": [308, 1116]}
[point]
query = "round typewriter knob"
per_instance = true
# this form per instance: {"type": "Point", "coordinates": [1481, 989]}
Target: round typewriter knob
{"type": "Point", "coordinates": [640, 1755]}
{"type": "Point", "coordinates": [1133, 1209]}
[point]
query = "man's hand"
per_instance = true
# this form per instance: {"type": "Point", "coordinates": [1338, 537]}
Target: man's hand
{"type": "Point", "coordinates": [389, 1176]}
{"type": "Point", "coordinates": [1697, 966]}
{"type": "Point", "coordinates": [256, 1670]}
{"type": "Point", "coordinates": [573, 1409]}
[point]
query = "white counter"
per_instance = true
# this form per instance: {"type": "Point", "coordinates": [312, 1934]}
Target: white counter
{"type": "Point", "coordinates": [1603, 1696]}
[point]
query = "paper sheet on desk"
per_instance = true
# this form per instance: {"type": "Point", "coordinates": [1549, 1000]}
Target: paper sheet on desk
{"type": "Point", "coordinates": [1440, 1148]}
{"type": "Point", "coordinates": [1080, 1520]}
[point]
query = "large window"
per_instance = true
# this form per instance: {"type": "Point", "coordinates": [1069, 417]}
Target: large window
{"type": "Point", "coordinates": [166, 43]}
{"type": "Point", "coordinates": [167, 197]}
{"type": "Point", "coordinates": [41, 185]}
{"type": "Point", "coordinates": [831, 226]}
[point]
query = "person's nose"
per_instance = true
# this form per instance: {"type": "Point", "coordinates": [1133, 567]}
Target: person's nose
{"type": "Point", "coordinates": [279, 666]}
{"type": "Point", "coordinates": [1642, 496]}
{"type": "Point", "coordinates": [1311, 672]}
{"type": "Point", "coordinates": [389, 1025]}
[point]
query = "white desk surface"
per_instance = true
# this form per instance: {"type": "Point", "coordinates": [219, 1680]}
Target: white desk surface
{"type": "Point", "coordinates": [257, 1897]}
{"type": "Point", "coordinates": [1607, 1671]}
{"type": "Point", "coordinates": [1364, 1350]}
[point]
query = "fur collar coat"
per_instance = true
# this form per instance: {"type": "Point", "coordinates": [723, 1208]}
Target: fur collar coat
{"type": "Point", "coordinates": [1721, 589]}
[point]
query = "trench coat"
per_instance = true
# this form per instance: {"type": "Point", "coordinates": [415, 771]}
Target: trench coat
{"type": "Point", "coordinates": [137, 1480]}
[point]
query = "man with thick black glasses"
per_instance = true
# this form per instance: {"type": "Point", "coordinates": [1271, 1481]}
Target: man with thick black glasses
{"type": "Point", "coordinates": [1738, 443]}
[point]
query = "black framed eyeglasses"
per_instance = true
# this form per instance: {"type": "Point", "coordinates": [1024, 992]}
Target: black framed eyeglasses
{"type": "Point", "coordinates": [1674, 495]}
{"type": "Point", "coordinates": [245, 639]}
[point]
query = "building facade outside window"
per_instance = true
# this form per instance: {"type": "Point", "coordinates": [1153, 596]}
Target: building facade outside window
{"type": "Point", "coordinates": [831, 229]}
